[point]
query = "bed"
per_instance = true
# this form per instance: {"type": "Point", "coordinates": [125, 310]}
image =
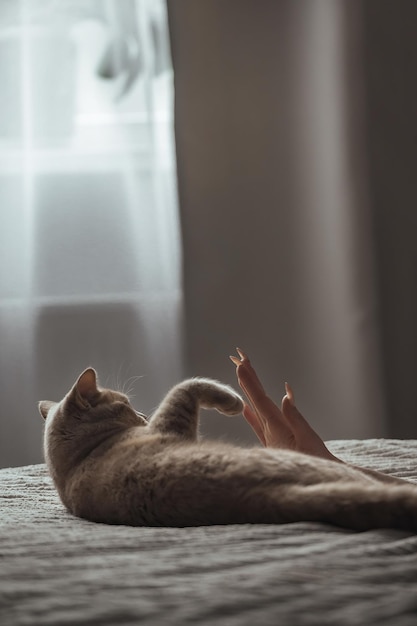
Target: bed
{"type": "Point", "coordinates": [57, 569]}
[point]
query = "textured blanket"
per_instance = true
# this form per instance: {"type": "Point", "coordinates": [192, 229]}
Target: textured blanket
{"type": "Point", "coordinates": [56, 569]}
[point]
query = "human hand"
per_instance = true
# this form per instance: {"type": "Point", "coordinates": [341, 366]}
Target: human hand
{"type": "Point", "coordinates": [274, 427]}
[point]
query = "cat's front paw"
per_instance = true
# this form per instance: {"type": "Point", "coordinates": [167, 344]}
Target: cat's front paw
{"type": "Point", "coordinates": [234, 406]}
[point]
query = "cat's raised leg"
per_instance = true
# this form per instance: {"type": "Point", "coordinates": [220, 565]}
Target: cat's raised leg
{"type": "Point", "coordinates": [179, 411]}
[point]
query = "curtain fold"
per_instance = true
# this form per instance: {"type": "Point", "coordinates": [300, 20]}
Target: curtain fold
{"type": "Point", "coordinates": [90, 241]}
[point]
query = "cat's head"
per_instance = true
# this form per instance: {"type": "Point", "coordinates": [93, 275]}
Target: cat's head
{"type": "Point", "coordinates": [88, 402]}
{"type": "Point", "coordinates": [87, 414]}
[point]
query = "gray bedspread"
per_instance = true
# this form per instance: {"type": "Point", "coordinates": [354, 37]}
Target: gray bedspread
{"type": "Point", "coordinates": [56, 569]}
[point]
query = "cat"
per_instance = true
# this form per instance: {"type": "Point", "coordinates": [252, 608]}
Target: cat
{"type": "Point", "coordinates": [112, 464]}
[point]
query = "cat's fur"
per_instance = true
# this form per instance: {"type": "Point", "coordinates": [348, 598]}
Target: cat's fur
{"type": "Point", "coordinates": [110, 464]}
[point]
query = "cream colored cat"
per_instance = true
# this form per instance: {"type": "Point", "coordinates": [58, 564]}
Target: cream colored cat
{"type": "Point", "coordinates": [111, 464]}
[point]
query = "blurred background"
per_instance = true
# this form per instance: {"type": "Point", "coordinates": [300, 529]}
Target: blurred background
{"type": "Point", "coordinates": [179, 178]}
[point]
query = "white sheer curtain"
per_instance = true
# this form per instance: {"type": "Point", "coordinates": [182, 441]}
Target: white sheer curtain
{"type": "Point", "coordinates": [89, 238]}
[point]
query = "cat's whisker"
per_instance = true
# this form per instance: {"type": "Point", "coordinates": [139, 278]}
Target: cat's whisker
{"type": "Point", "coordinates": [131, 382]}
{"type": "Point", "coordinates": [107, 382]}
{"type": "Point", "coordinates": [119, 385]}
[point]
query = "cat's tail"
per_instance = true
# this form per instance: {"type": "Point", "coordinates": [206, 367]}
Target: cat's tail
{"type": "Point", "coordinates": [178, 413]}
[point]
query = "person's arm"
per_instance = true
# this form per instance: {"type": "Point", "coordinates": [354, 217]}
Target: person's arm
{"type": "Point", "coordinates": [286, 427]}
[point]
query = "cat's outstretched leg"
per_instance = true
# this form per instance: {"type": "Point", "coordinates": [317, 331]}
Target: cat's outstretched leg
{"type": "Point", "coordinates": [347, 504]}
{"type": "Point", "coordinates": [179, 411]}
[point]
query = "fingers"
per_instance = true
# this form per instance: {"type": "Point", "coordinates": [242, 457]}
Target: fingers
{"type": "Point", "coordinates": [293, 415]}
{"type": "Point", "coordinates": [307, 440]}
{"type": "Point", "coordinates": [285, 428]}
{"type": "Point", "coordinates": [289, 394]}
{"type": "Point", "coordinates": [298, 423]}
{"type": "Point", "coordinates": [247, 378]}
{"type": "Point", "coordinates": [249, 382]}
{"type": "Point", "coordinates": [253, 421]}
{"type": "Point", "coordinates": [263, 414]}
{"type": "Point", "coordinates": [261, 404]}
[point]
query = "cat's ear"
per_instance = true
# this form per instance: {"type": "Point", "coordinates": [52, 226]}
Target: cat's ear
{"type": "Point", "coordinates": [44, 407]}
{"type": "Point", "coordinates": [85, 389]}
{"type": "Point", "coordinates": [87, 384]}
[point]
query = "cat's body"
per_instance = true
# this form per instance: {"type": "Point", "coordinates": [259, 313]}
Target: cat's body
{"type": "Point", "coordinates": [111, 465]}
